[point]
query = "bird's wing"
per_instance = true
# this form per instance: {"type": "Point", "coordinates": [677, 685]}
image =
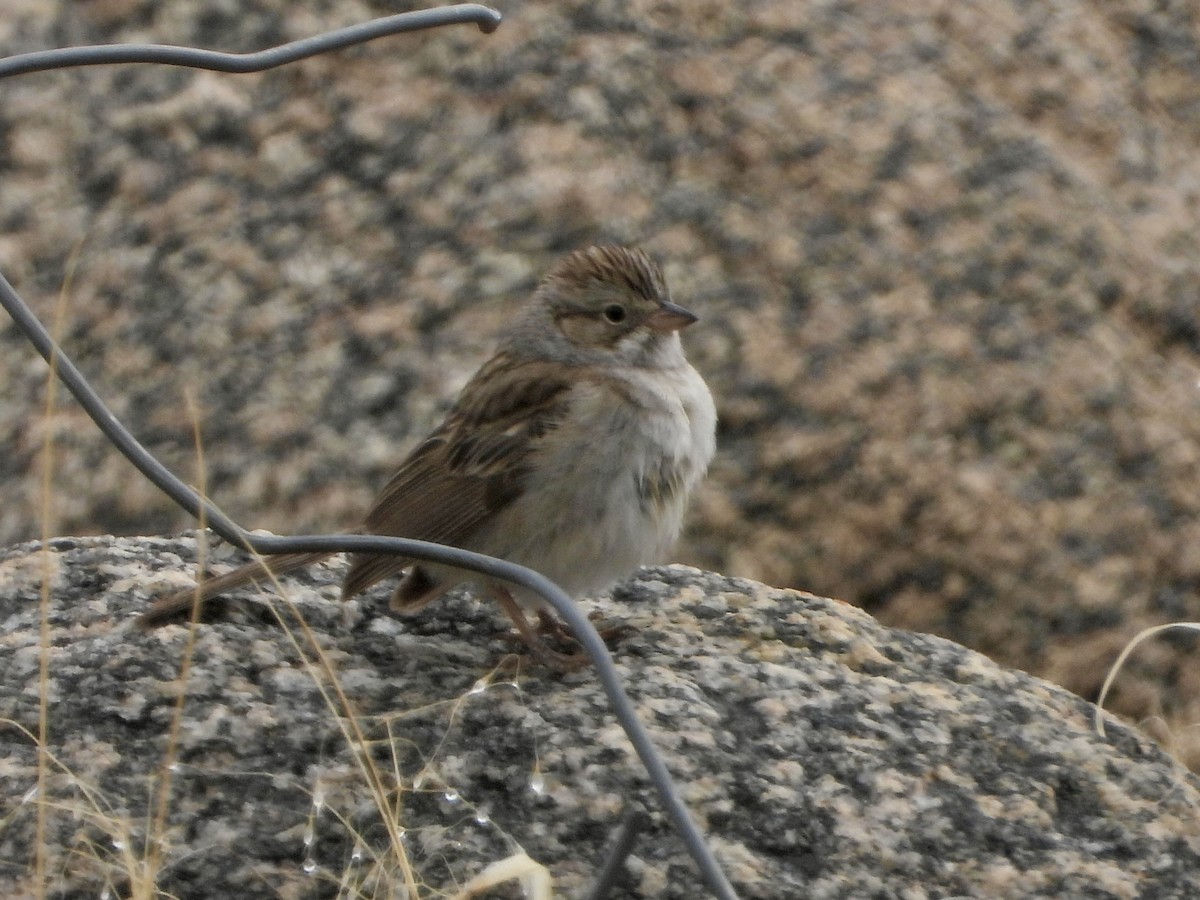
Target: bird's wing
{"type": "Point", "coordinates": [472, 467]}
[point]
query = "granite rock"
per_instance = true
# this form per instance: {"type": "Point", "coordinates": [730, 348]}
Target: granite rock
{"type": "Point", "coordinates": [825, 755]}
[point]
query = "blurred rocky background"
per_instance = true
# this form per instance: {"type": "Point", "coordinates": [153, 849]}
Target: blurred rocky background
{"type": "Point", "coordinates": [946, 256]}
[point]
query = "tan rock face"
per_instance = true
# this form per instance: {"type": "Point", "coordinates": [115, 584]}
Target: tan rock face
{"type": "Point", "coordinates": [946, 257]}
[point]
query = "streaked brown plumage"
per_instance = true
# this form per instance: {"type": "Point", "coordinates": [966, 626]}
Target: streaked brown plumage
{"type": "Point", "coordinates": [571, 451]}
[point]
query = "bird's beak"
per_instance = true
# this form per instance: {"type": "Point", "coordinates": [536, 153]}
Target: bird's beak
{"type": "Point", "coordinates": [669, 317]}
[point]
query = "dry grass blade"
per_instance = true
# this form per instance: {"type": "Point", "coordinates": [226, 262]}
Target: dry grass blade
{"type": "Point", "coordinates": [1125, 653]}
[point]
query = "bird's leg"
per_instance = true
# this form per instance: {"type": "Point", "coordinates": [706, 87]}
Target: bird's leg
{"type": "Point", "coordinates": [559, 662]}
{"type": "Point", "coordinates": [550, 624]}
{"type": "Point", "coordinates": [610, 634]}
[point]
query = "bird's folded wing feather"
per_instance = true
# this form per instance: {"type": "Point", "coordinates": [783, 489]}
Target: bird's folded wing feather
{"type": "Point", "coordinates": [472, 467]}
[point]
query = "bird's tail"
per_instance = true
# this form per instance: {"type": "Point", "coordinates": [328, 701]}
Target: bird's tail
{"type": "Point", "coordinates": [178, 606]}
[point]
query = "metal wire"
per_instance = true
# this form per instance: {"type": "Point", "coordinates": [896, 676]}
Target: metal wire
{"type": "Point", "coordinates": [487, 20]}
{"type": "Point", "coordinates": [632, 824]}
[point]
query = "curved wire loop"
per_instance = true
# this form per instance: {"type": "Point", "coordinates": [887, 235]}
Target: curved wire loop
{"type": "Point", "coordinates": [202, 508]}
{"type": "Point", "coordinates": [486, 18]}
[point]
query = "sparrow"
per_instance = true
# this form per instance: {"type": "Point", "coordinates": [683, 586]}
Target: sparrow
{"type": "Point", "coordinates": [572, 451]}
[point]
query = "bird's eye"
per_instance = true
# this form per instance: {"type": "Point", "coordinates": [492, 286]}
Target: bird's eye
{"type": "Point", "coordinates": [615, 313]}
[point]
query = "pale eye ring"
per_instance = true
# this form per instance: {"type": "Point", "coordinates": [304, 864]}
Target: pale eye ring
{"type": "Point", "coordinates": [615, 313]}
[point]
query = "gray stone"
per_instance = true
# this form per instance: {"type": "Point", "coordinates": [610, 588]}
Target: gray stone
{"type": "Point", "coordinates": [826, 756]}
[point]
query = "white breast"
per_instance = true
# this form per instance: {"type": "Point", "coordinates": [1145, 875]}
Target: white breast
{"type": "Point", "coordinates": [614, 481]}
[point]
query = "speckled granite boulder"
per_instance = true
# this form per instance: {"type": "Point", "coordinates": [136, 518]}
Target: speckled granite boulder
{"type": "Point", "coordinates": [825, 755]}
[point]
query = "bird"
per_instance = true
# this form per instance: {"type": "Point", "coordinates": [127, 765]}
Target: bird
{"type": "Point", "coordinates": [572, 451]}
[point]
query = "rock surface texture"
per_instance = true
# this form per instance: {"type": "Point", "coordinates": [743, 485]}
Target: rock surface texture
{"type": "Point", "coordinates": [946, 256]}
{"type": "Point", "coordinates": [825, 755]}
